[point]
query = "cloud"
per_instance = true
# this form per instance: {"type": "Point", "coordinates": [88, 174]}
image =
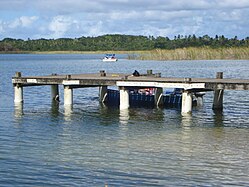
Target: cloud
{"type": "Point", "coordinates": [28, 21]}
{"type": "Point", "coordinates": [148, 15]}
{"type": "Point", "coordinates": [76, 18]}
{"type": "Point", "coordinates": [1, 27]}
{"type": "Point", "coordinates": [231, 4]}
{"type": "Point", "coordinates": [62, 7]}
{"type": "Point", "coordinates": [22, 21]}
{"type": "Point", "coordinates": [61, 25]}
{"type": "Point", "coordinates": [18, 26]}
{"type": "Point", "coordinates": [95, 29]}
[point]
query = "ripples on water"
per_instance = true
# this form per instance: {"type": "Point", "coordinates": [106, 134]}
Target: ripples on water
{"type": "Point", "coordinates": [44, 144]}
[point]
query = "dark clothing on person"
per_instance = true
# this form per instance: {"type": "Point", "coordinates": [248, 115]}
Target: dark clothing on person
{"type": "Point", "coordinates": [136, 73]}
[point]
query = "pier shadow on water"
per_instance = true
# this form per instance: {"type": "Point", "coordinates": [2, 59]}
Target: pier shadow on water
{"type": "Point", "coordinates": [218, 118]}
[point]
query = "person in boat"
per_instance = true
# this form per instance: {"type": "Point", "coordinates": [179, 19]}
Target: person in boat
{"type": "Point", "coordinates": [136, 73]}
{"type": "Point", "coordinates": [107, 56]}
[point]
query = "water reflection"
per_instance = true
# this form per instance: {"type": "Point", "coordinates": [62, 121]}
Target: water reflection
{"type": "Point", "coordinates": [147, 114]}
{"type": "Point", "coordinates": [124, 116]}
{"type": "Point", "coordinates": [158, 114]}
{"type": "Point", "coordinates": [18, 111]}
{"type": "Point", "coordinates": [68, 110]}
{"type": "Point", "coordinates": [218, 118]}
{"type": "Point", "coordinates": [186, 120]}
{"type": "Point", "coordinates": [107, 115]}
{"type": "Point", "coordinates": [55, 108]}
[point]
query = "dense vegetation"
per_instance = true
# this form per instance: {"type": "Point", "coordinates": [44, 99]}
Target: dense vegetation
{"type": "Point", "coordinates": [118, 42]}
{"type": "Point", "coordinates": [194, 53]}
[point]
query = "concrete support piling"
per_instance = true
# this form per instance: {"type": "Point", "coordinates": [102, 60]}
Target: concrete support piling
{"type": "Point", "coordinates": [55, 92]}
{"type": "Point", "coordinates": [218, 95]}
{"type": "Point", "coordinates": [187, 102]}
{"type": "Point", "coordinates": [158, 96]}
{"type": "Point", "coordinates": [218, 100]}
{"type": "Point", "coordinates": [124, 98]}
{"type": "Point", "coordinates": [68, 95]}
{"type": "Point", "coordinates": [102, 93]}
{"type": "Point", "coordinates": [199, 98]}
{"type": "Point", "coordinates": [149, 72]}
{"type": "Point", "coordinates": [18, 91]}
{"type": "Point", "coordinates": [199, 101]}
{"type": "Point", "coordinates": [18, 74]}
{"type": "Point", "coordinates": [102, 73]}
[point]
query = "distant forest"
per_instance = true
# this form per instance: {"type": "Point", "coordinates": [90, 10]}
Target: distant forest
{"type": "Point", "coordinates": [117, 42]}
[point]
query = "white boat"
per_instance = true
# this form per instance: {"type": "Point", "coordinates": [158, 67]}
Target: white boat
{"type": "Point", "coordinates": [110, 58]}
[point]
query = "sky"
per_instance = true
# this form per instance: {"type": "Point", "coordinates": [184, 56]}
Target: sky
{"type": "Point", "coordinates": [52, 19]}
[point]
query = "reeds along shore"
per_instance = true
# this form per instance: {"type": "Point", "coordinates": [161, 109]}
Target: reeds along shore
{"type": "Point", "coordinates": [201, 53]}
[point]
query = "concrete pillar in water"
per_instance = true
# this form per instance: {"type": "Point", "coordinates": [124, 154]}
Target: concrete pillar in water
{"type": "Point", "coordinates": [55, 92]}
{"type": "Point", "coordinates": [187, 98]}
{"type": "Point", "coordinates": [199, 97]}
{"type": "Point", "coordinates": [158, 96]}
{"type": "Point", "coordinates": [68, 95]}
{"type": "Point", "coordinates": [102, 93]}
{"type": "Point", "coordinates": [102, 73]}
{"type": "Point", "coordinates": [18, 94]}
{"type": "Point", "coordinates": [18, 90]}
{"type": "Point", "coordinates": [218, 95]}
{"type": "Point", "coordinates": [149, 72]}
{"type": "Point", "coordinates": [124, 98]}
{"type": "Point", "coordinates": [199, 101]}
{"type": "Point", "coordinates": [218, 100]}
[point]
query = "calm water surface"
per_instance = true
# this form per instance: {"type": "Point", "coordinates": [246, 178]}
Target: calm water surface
{"type": "Point", "coordinates": [46, 144]}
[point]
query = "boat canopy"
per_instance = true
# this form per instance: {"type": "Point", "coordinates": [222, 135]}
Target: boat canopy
{"type": "Point", "coordinates": [110, 55]}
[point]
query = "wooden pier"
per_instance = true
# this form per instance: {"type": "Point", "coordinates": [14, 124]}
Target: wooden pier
{"type": "Point", "coordinates": [127, 81]}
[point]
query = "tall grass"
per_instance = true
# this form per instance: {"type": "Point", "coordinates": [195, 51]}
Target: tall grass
{"type": "Point", "coordinates": [200, 53]}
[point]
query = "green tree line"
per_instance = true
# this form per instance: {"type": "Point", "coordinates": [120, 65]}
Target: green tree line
{"type": "Point", "coordinates": [118, 42]}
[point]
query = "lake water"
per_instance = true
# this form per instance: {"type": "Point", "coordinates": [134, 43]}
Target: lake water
{"type": "Point", "coordinates": [92, 145]}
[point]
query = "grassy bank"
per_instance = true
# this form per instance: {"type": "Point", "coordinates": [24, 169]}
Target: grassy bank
{"type": "Point", "coordinates": [201, 53]}
{"type": "Point", "coordinates": [198, 53]}
{"type": "Point", "coordinates": [69, 52]}
{"type": "Point", "coordinates": [81, 52]}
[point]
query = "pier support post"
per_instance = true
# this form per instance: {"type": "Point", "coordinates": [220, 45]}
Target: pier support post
{"type": "Point", "coordinates": [199, 97]}
{"type": "Point", "coordinates": [68, 95]}
{"type": "Point", "coordinates": [18, 90]}
{"type": "Point", "coordinates": [159, 96]}
{"type": "Point", "coordinates": [102, 93]}
{"type": "Point", "coordinates": [199, 101]}
{"type": "Point", "coordinates": [124, 98]}
{"type": "Point", "coordinates": [149, 72]}
{"type": "Point", "coordinates": [55, 92]}
{"type": "Point", "coordinates": [218, 95]}
{"type": "Point", "coordinates": [187, 102]}
{"type": "Point", "coordinates": [218, 100]}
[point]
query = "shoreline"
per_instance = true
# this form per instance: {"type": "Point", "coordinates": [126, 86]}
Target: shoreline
{"type": "Point", "coordinates": [192, 53]}
{"type": "Point", "coordinates": [195, 53]}
{"type": "Point", "coordinates": [68, 52]}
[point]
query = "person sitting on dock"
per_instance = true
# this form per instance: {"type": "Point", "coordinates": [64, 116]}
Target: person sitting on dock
{"type": "Point", "coordinates": [136, 73]}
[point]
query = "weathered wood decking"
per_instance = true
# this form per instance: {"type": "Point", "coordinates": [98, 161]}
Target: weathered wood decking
{"type": "Point", "coordinates": [125, 81]}
{"type": "Point", "coordinates": [110, 79]}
